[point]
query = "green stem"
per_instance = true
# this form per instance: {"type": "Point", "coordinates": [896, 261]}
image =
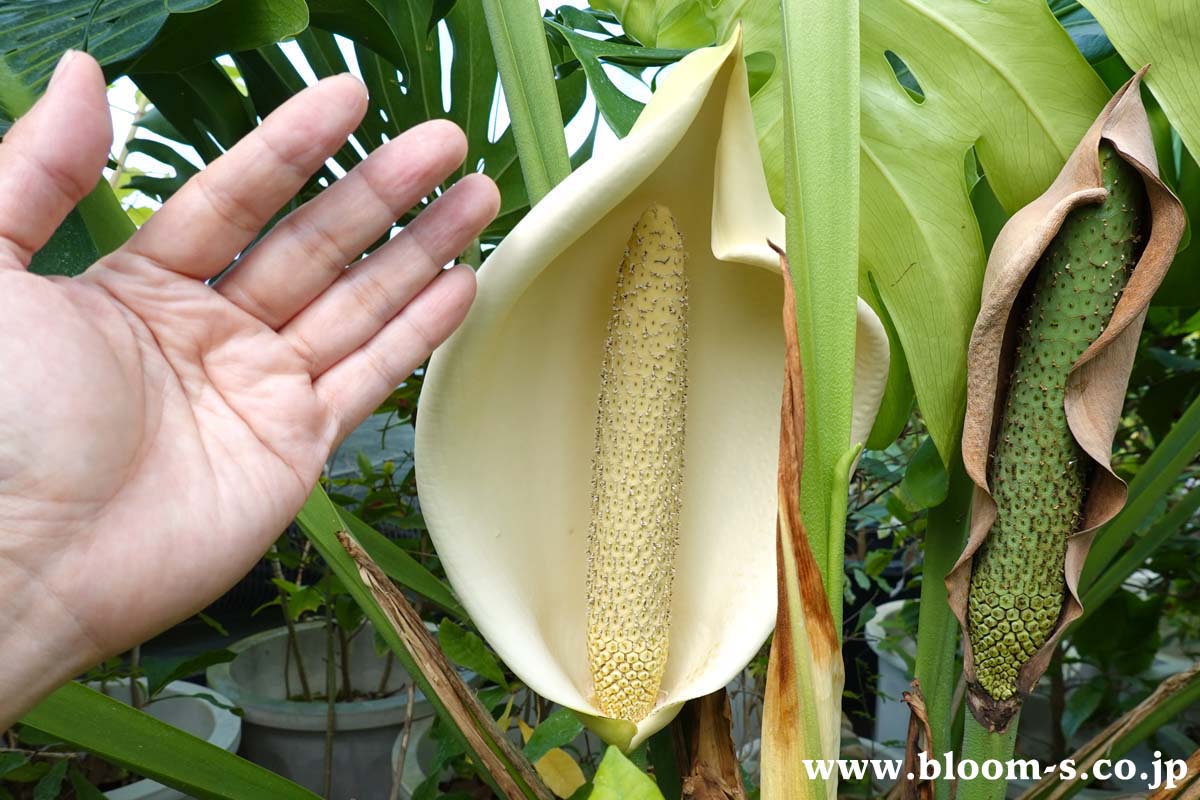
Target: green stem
{"type": "Point", "coordinates": [387, 674]}
{"type": "Point", "coordinates": [980, 746]}
{"type": "Point", "coordinates": [664, 752]}
{"type": "Point", "coordinates": [523, 58]}
{"type": "Point", "coordinates": [107, 223]}
{"type": "Point", "coordinates": [293, 643]}
{"type": "Point", "coordinates": [1058, 704]}
{"type": "Point", "coordinates": [937, 628]}
{"type": "Point", "coordinates": [123, 157]}
{"type": "Point", "coordinates": [344, 650]}
{"type": "Point", "coordinates": [821, 150]}
{"type": "Point", "coordinates": [135, 687]}
{"type": "Point", "coordinates": [473, 255]}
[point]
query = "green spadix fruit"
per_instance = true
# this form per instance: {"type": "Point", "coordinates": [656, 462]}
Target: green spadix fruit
{"type": "Point", "coordinates": [1038, 473]}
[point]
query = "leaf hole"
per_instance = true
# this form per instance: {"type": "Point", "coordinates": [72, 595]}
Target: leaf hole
{"type": "Point", "coordinates": [760, 67]}
{"type": "Point", "coordinates": [905, 77]}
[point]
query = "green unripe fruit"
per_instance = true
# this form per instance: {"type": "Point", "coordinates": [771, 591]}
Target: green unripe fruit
{"type": "Point", "coordinates": [1038, 474]}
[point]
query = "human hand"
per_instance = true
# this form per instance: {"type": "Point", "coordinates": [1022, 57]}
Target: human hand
{"type": "Point", "coordinates": [156, 433]}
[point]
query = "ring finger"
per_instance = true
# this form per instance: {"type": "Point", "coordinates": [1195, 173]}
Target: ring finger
{"type": "Point", "coordinates": [368, 295]}
{"type": "Point", "coordinates": [310, 248]}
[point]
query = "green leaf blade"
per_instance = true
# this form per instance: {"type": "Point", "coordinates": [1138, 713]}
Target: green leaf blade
{"type": "Point", "coordinates": [557, 730]}
{"type": "Point", "coordinates": [89, 720]}
{"type": "Point", "coordinates": [618, 779]}
{"type": "Point", "coordinates": [466, 649]}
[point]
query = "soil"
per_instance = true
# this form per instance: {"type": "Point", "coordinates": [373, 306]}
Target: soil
{"type": "Point", "coordinates": [100, 773]}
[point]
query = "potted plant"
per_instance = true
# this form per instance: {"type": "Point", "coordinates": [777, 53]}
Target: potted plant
{"type": "Point", "coordinates": [34, 765]}
{"type": "Point", "coordinates": [322, 704]}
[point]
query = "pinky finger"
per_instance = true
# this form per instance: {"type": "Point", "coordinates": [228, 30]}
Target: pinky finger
{"type": "Point", "coordinates": [355, 386]}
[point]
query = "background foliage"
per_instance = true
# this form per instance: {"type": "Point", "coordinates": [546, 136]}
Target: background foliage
{"type": "Point", "coordinates": [968, 111]}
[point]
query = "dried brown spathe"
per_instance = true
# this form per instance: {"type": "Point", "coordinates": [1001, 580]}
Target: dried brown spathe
{"type": "Point", "coordinates": [1096, 383]}
{"type": "Point", "coordinates": [805, 675]}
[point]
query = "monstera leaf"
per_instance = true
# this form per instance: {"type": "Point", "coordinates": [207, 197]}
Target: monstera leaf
{"type": "Point", "coordinates": [147, 34]}
{"type": "Point", "coordinates": [1166, 35]}
{"type": "Point", "coordinates": [945, 84]}
{"type": "Point", "coordinates": [36, 34]}
{"type": "Point", "coordinates": [399, 53]}
{"type": "Point", "coordinates": [121, 35]}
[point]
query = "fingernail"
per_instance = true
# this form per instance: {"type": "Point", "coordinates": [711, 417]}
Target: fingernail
{"type": "Point", "coordinates": [66, 58]}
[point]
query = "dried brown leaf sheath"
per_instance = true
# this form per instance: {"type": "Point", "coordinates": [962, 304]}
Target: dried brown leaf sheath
{"type": "Point", "coordinates": [705, 745]}
{"type": "Point", "coordinates": [918, 741]}
{"type": "Point", "coordinates": [1053, 787]}
{"type": "Point", "coordinates": [472, 719]}
{"type": "Point", "coordinates": [805, 676]}
{"type": "Point", "coordinates": [1095, 386]}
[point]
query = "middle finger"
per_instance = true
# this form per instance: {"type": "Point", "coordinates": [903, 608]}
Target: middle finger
{"type": "Point", "coordinates": [311, 247]}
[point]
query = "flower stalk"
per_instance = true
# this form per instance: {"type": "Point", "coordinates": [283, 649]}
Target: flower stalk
{"type": "Point", "coordinates": [937, 629]}
{"type": "Point", "coordinates": [805, 675]}
{"type": "Point", "coordinates": [821, 134]}
{"type": "Point", "coordinates": [523, 59]}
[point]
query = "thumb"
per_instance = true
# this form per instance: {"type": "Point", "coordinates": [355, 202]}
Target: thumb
{"type": "Point", "coordinates": [52, 157]}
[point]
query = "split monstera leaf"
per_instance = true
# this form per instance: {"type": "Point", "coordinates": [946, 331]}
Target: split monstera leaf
{"type": "Point", "coordinates": [508, 441]}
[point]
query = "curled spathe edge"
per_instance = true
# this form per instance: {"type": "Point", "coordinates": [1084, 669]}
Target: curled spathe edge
{"type": "Point", "coordinates": [1096, 384]}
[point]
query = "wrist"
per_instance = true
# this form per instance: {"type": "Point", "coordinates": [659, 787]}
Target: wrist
{"type": "Point", "coordinates": [43, 645]}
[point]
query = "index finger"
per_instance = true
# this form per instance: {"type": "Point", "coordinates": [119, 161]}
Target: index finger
{"type": "Point", "coordinates": [220, 210]}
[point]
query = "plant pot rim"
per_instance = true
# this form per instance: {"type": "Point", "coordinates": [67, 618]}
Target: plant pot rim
{"type": "Point", "coordinates": [301, 715]}
{"type": "Point", "coordinates": [875, 632]}
{"type": "Point", "coordinates": [226, 732]}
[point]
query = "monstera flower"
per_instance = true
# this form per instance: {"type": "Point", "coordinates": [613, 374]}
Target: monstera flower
{"type": "Point", "coordinates": [597, 444]}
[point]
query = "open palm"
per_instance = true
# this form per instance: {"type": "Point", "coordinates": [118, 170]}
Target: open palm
{"type": "Point", "coordinates": [156, 432]}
